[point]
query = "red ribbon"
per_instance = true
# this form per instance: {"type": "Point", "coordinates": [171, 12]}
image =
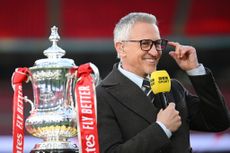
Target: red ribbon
{"type": "Point", "coordinates": [19, 76]}
{"type": "Point", "coordinates": [86, 106]}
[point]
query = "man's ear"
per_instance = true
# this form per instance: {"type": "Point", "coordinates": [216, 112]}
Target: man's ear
{"type": "Point", "coordinates": [119, 48]}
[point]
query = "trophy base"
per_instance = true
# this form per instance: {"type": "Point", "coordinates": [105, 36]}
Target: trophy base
{"type": "Point", "coordinates": [55, 147]}
{"type": "Point", "coordinates": [55, 151]}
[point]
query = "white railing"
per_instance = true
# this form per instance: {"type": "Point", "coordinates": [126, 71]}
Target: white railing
{"type": "Point", "coordinates": [200, 143]}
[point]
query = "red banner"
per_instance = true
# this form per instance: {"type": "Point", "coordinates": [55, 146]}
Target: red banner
{"type": "Point", "coordinates": [20, 75]}
{"type": "Point", "coordinates": [86, 106]}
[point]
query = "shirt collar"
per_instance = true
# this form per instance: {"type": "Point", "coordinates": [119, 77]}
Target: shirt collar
{"type": "Point", "coordinates": [133, 77]}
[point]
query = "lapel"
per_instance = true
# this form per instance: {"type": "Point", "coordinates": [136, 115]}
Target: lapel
{"type": "Point", "coordinates": [130, 95]}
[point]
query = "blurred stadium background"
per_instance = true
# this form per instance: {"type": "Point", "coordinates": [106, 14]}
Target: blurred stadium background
{"type": "Point", "coordinates": [86, 30]}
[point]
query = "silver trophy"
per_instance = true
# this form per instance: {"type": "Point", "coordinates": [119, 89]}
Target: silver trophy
{"type": "Point", "coordinates": [53, 116]}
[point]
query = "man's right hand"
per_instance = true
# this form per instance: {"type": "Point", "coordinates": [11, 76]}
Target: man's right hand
{"type": "Point", "coordinates": [170, 117]}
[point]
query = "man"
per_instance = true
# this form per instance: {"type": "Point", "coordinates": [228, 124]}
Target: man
{"type": "Point", "coordinates": [127, 120]}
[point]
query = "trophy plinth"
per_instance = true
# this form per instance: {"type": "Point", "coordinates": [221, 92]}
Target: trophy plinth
{"type": "Point", "coordinates": [55, 151]}
{"type": "Point", "coordinates": [53, 115]}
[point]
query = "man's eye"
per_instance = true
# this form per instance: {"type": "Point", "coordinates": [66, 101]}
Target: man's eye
{"type": "Point", "coordinates": [146, 43]}
{"type": "Point", "coordinates": [158, 42]}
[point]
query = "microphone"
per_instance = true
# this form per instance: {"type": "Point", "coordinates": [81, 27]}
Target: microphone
{"type": "Point", "coordinates": [160, 83]}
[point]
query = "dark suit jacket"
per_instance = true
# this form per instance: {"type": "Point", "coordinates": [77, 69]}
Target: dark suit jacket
{"type": "Point", "coordinates": [126, 118]}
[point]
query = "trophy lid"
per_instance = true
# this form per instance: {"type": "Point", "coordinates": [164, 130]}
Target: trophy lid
{"type": "Point", "coordinates": [54, 54]}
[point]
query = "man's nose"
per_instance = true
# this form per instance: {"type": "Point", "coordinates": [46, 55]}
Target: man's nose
{"type": "Point", "coordinates": [153, 51]}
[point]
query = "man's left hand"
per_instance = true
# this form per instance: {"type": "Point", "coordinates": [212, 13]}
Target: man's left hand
{"type": "Point", "coordinates": [185, 56]}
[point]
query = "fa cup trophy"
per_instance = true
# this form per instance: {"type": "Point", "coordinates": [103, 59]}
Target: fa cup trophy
{"type": "Point", "coordinates": [64, 103]}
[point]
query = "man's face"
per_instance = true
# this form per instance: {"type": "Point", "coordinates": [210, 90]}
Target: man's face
{"type": "Point", "coordinates": [133, 58]}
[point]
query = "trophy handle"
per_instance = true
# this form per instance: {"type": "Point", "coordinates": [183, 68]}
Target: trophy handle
{"type": "Point", "coordinates": [96, 74]}
{"type": "Point", "coordinates": [26, 99]}
{"type": "Point", "coordinates": [87, 79]}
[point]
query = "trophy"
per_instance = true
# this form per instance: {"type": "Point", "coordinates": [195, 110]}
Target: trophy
{"type": "Point", "coordinates": [53, 116]}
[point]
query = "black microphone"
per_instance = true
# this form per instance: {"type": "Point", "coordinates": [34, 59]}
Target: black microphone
{"type": "Point", "coordinates": [160, 83]}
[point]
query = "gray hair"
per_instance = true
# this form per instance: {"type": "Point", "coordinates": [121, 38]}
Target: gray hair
{"type": "Point", "coordinates": [123, 27]}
